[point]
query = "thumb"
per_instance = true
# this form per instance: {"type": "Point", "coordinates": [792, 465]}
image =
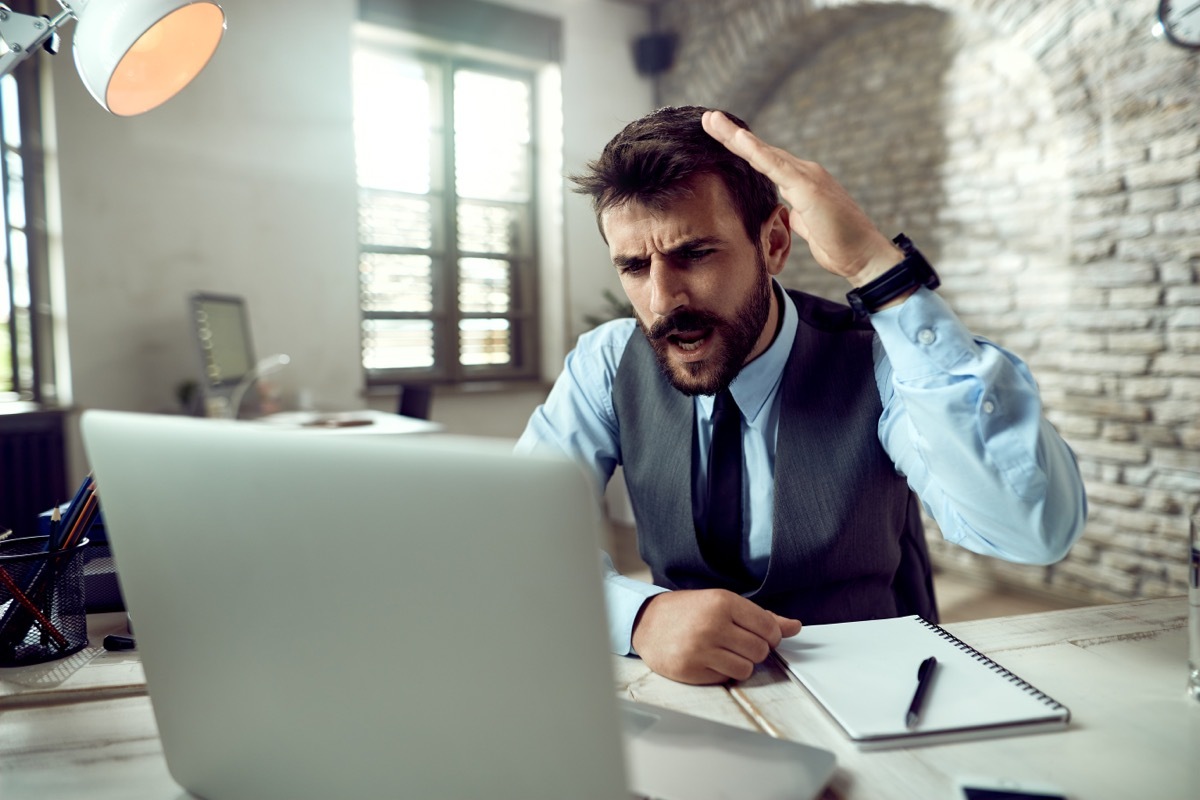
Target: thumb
{"type": "Point", "coordinates": [788, 626]}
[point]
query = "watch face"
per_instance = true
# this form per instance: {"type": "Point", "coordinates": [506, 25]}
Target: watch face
{"type": "Point", "coordinates": [1180, 21]}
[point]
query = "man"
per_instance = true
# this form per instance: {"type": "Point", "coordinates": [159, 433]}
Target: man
{"type": "Point", "coordinates": [771, 441]}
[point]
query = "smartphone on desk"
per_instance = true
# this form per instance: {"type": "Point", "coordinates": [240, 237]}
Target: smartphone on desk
{"type": "Point", "coordinates": [1003, 789]}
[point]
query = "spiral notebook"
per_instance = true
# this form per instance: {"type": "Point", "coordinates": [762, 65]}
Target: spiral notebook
{"type": "Point", "coordinates": [865, 674]}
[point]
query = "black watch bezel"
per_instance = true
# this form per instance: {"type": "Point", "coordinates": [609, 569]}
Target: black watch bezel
{"type": "Point", "coordinates": [912, 272]}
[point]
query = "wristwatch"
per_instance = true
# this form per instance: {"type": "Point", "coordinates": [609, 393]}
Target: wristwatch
{"type": "Point", "coordinates": [912, 272]}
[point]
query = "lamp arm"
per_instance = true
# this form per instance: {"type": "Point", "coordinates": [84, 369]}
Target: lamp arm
{"type": "Point", "coordinates": [22, 34]}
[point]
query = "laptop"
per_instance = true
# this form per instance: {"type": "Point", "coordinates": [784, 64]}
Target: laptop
{"type": "Point", "coordinates": [390, 616]}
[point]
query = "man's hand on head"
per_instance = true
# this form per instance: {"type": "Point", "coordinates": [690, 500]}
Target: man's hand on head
{"type": "Point", "coordinates": [707, 635]}
{"type": "Point", "coordinates": [842, 238]}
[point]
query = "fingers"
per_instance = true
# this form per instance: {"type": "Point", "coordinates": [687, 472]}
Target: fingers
{"type": "Point", "coordinates": [766, 625]}
{"type": "Point", "coordinates": [787, 627]}
{"type": "Point", "coordinates": [707, 636]}
{"type": "Point", "coordinates": [778, 165]}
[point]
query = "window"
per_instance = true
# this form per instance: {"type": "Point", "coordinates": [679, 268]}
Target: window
{"type": "Point", "coordinates": [26, 367]}
{"type": "Point", "coordinates": [445, 152]}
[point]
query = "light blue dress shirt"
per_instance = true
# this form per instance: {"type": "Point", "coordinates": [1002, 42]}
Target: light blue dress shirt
{"type": "Point", "coordinates": [962, 420]}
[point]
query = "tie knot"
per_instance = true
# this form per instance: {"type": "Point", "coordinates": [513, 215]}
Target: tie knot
{"type": "Point", "coordinates": [724, 405]}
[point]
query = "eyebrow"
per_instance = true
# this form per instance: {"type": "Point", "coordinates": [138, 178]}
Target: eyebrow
{"type": "Point", "coordinates": [697, 243]}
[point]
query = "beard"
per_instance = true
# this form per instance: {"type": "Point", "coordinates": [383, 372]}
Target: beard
{"type": "Point", "coordinates": [737, 339]}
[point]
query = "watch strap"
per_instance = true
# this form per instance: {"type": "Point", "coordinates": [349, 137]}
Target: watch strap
{"type": "Point", "coordinates": [912, 272]}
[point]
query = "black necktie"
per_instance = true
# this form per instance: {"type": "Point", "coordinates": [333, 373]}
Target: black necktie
{"type": "Point", "coordinates": [722, 540]}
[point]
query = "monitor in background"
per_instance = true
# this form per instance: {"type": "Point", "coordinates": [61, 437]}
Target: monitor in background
{"type": "Point", "coordinates": [221, 327]}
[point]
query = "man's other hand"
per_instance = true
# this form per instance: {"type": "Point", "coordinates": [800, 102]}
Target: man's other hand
{"type": "Point", "coordinates": [707, 635]}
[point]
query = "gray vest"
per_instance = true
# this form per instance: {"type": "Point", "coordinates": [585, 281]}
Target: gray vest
{"type": "Point", "coordinates": [847, 542]}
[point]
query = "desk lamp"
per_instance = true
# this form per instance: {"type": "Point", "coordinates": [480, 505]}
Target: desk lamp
{"type": "Point", "coordinates": [132, 55]}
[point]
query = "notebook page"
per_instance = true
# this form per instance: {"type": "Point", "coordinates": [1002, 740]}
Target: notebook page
{"type": "Point", "coordinates": [865, 673]}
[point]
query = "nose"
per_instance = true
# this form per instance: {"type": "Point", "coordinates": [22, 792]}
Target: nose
{"type": "Point", "coordinates": [667, 290]}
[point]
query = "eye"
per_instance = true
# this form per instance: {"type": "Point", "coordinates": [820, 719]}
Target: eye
{"type": "Point", "coordinates": [697, 255]}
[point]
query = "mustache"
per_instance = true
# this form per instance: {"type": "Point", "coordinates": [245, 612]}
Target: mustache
{"type": "Point", "coordinates": [683, 321]}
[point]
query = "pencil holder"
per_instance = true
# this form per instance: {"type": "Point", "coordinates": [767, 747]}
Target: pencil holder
{"type": "Point", "coordinates": [42, 611]}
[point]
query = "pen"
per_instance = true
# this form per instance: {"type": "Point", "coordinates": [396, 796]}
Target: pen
{"type": "Point", "coordinates": [924, 676]}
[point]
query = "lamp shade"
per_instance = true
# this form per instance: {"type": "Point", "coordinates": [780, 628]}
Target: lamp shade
{"type": "Point", "coordinates": [134, 55]}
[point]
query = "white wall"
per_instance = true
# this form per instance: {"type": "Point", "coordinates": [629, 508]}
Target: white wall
{"type": "Point", "coordinates": [244, 183]}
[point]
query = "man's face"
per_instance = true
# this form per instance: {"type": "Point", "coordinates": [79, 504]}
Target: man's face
{"type": "Point", "coordinates": [700, 287]}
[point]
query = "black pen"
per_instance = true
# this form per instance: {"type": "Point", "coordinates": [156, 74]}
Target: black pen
{"type": "Point", "coordinates": [924, 676]}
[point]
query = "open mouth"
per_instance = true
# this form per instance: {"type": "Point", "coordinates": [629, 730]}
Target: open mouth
{"type": "Point", "coordinates": [691, 340]}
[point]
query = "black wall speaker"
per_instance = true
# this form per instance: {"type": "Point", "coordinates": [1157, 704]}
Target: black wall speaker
{"type": "Point", "coordinates": [654, 53]}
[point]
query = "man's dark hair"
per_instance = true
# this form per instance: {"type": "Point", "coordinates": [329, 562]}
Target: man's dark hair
{"type": "Point", "coordinates": [654, 159]}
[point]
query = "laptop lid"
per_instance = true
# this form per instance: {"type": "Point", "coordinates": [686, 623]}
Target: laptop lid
{"type": "Point", "coordinates": [325, 616]}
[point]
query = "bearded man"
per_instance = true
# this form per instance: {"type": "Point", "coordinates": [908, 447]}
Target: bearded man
{"type": "Point", "coordinates": [775, 444]}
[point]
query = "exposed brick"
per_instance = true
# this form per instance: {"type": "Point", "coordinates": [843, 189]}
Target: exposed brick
{"type": "Point", "coordinates": [1158, 435]}
{"type": "Point", "coordinates": [1135, 296]}
{"type": "Point", "coordinates": [1119, 432]}
{"type": "Point", "coordinates": [1118, 273]}
{"type": "Point", "coordinates": [1176, 364]}
{"type": "Point", "coordinates": [1151, 200]}
{"type": "Point", "coordinates": [1115, 494]}
{"type": "Point", "coordinates": [1184, 295]}
{"type": "Point", "coordinates": [1190, 437]}
{"type": "Point", "coordinates": [1184, 341]}
{"type": "Point", "coordinates": [1187, 317]}
{"type": "Point", "coordinates": [1185, 389]}
{"type": "Point", "coordinates": [1136, 342]}
{"type": "Point", "coordinates": [1109, 319]}
{"type": "Point", "coordinates": [1176, 223]}
{"type": "Point", "coordinates": [1162, 173]}
{"type": "Point", "coordinates": [1112, 451]}
{"type": "Point", "coordinates": [1173, 147]}
{"type": "Point", "coordinates": [1189, 194]}
{"type": "Point", "coordinates": [1146, 388]}
{"type": "Point", "coordinates": [1109, 408]}
{"type": "Point", "coordinates": [1176, 459]}
{"type": "Point", "coordinates": [1162, 502]}
{"type": "Point", "coordinates": [1168, 412]}
{"type": "Point", "coordinates": [1175, 273]}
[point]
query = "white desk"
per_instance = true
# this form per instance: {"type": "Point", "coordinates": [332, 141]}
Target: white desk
{"type": "Point", "coordinates": [1134, 733]}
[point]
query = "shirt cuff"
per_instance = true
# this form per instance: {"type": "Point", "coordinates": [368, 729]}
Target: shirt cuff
{"type": "Point", "coordinates": [624, 598]}
{"type": "Point", "coordinates": [923, 336]}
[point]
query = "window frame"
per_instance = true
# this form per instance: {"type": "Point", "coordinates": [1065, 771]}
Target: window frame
{"type": "Point", "coordinates": [446, 315]}
{"type": "Point", "coordinates": [33, 373]}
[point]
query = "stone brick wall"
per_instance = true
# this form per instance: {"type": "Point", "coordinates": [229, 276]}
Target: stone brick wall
{"type": "Point", "coordinates": [1046, 155]}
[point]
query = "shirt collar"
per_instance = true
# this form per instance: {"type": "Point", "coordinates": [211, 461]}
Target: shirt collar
{"type": "Point", "coordinates": [757, 381]}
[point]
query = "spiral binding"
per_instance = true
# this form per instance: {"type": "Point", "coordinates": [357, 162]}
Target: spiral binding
{"type": "Point", "coordinates": [1004, 672]}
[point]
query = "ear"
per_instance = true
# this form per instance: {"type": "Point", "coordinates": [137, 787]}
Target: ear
{"type": "Point", "coordinates": [776, 240]}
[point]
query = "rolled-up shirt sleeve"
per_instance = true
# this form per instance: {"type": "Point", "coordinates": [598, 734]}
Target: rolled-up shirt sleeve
{"type": "Point", "coordinates": [962, 420]}
{"type": "Point", "coordinates": [578, 421]}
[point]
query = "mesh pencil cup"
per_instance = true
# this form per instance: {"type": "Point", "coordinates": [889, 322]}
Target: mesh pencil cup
{"type": "Point", "coordinates": [42, 610]}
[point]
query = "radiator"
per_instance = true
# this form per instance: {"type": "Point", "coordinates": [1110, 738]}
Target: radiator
{"type": "Point", "coordinates": [33, 472]}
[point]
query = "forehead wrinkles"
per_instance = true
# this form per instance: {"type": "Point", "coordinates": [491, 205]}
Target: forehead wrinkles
{"type": "Point", "coordinates": [643, 232]}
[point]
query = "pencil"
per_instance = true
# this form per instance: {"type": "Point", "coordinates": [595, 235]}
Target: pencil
{"type": "Point", "coordinates": [55, 522]}
{"type": "Point", "coordinates": [32, 608]}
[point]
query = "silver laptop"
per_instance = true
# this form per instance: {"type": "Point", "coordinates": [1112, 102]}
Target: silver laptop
{"type": "Point", "coordinates": [401, 616]}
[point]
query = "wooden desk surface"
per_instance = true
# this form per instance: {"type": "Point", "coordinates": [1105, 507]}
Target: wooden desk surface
{"type": "Point", "coordinates": [83, 728]}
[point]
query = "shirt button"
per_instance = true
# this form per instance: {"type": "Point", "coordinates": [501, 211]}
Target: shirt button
{"type": "Point", "coordinates": [926, 336]}
{"type": "Point", "coordinates": [988, 406]}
